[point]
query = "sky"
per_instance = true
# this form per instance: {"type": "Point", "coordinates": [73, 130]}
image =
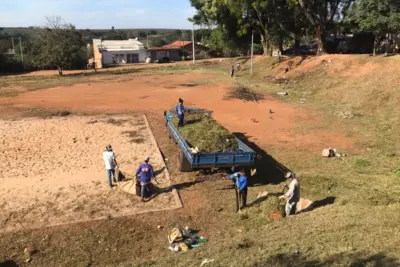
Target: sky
{"type": "Point", "coordinates": [98, 14]}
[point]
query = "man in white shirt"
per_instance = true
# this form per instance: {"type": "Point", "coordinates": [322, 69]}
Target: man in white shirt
{"type": "Point", "coordinates": [111, 164]}
{"type": "Point", "coordinates": [292, 195]}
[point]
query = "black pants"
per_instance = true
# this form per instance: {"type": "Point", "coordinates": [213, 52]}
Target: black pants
{"type": "Point", "coordinates": [241, 197]}
{"type": "Point", "coordinates": [181, 121]}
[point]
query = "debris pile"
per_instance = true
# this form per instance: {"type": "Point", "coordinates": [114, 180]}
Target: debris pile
{"type": "Point", "coordinates": [241, 92]}
{"type": "Point", "coordinates": [184, 239]}
{"type": "Point", "coordinates": [204, 134]}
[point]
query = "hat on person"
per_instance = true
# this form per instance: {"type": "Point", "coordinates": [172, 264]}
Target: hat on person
{"type": "Point", "coordinates": [147, 159]}
{"type": "Point", "coordinates": [289, 175]}
{"type": "Point", "coordinates": [108, 148]}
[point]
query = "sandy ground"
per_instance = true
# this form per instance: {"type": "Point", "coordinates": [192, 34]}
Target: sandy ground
{"type": "Point", "coordinates": [52, 170]}
{"type": "Point", "coordinates": [156, 93]}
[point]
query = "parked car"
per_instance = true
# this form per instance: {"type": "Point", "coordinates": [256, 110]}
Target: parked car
{"type": "Point", "coordinates": [164, 60]}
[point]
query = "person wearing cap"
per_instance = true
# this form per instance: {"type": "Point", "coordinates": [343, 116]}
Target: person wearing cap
{"type": "Point", "coordinates": [146, 174]}
{"type": "Point", "coordinates": [240, 180]}
{"type": "Point", "coordinates": [292, 195]}
{"type": "Point", "coordinates": [111, 164]}
{"type": "Point", "coordinates": [180, 112]}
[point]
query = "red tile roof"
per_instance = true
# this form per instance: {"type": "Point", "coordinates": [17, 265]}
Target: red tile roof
{"type": "Point", "coordinates": [177, 44]}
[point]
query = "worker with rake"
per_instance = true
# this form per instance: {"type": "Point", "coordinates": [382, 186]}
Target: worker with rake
{"type": "Point", "coordinates": [111, 164]}
{"type": "Point", "coordinates": [292, 195]}
{"type": "Point", "coordinates": [146, 173]}
{"type": "Point", "coordinates": [180, 112]}
{"type": "Point", "coordinates": [240, 180]}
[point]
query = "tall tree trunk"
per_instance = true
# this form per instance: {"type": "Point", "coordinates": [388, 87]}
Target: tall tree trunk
{"type": "Point", "coordinates": [321, 41]}
{"type": "Point", "coordinates": [375, 43]}
{"type": "Point", "coordinates": [60, 70]}
{"type": "Point", "coordinates": [265, 44]}
{"type": "Point", "coordinates": [297, 43]}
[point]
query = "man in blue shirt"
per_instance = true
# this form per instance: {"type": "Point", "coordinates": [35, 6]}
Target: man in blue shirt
{"type": "Point", "coordinates": [240, 181]}
{"type": "Point", "coordinates": [180, 112]}
{"type": "Point", "coordinates": [146, 174]}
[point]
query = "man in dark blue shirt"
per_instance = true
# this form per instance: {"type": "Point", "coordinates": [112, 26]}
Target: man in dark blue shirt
{"type": "Point", "coordinates": [240, 181]}
{"type": "Point", "coordinates": [180, 112]}
{"type": "Point", "coordinates": [146, 174]}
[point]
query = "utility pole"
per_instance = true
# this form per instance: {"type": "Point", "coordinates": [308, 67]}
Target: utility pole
{"type": "Point", "coordinates": [20, 46]}
{"type": "Point", "coordinates": [13, 46]}
{"type": "Point", "coordinates": [194, 50]}
{"type": "Point", "coordinates": [252, 52]}
{"type": "Point", "coordinates": [147, 34]}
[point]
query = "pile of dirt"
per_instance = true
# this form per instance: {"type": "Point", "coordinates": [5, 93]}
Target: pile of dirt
{"type": "Point", "coordinates": [206, 134]}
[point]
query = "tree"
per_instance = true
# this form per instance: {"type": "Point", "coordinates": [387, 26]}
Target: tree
{"type": "Point", "coordinates": [322, 14]}
{"type": "Point", "coordinates": [142, 34]}
{"type": "Point", "coordinates": [58, 44]}
{"type": "Point", "coordinates": [380, 17]}
{"type": "Point", "coordinates": [271, 19]}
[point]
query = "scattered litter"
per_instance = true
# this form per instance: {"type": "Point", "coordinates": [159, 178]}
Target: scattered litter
{"type": "Point", "coordinates": [329, 153]}
{"type": "Point", "coordinates": [283, 93]}
{"type": "Point", "coordinates": [174, 248]}
{"type": "Point", "coordinates": [183, 239]}
{"type": "Point", "coordinates": [194, 150]}
{"type": "Point", "coordinates": [205, 261]}
{"type": "Point", "coordinates": [347, 114]}
{"type": "Point", "coordinates": [159, 227]}
{"type": "Point", "coordinates": [262, 194]}
{"type": "Point", "coordinates": [28, 252]}
{"type": "Point", "coordinates": [219, 209]}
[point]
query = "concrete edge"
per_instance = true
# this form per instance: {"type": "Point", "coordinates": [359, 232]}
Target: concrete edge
{"type": "Point", "coordinates": [178, 200]}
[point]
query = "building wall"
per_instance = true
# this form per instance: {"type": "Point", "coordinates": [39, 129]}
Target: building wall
{"type": "Point", "coordinates": [173, 55]}
{"type": "Point", "coordinates": [97, 56]}
{"type": "Point", "coordinates": [108, 56]}
{"type": "Point", "coordinates": [200, 51]}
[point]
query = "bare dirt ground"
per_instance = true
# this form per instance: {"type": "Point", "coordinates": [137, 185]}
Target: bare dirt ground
{"type": "Point", "coordinates": [53, 172]}
{"type": "Point", "coordinates": [156, 93]}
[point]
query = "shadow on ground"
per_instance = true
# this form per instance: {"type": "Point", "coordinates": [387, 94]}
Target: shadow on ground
{"type": "Point", "coordinates": [319, 203]}
{"type": "Point", "coordinates": [269, 170]}
{"type": "Point", "coordinates": [8, 263]}
{"type": "Point", "coordinates": [352, 260]}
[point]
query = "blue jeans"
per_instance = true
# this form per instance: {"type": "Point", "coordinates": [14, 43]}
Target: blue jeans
{"type": "Point", "coordinates": [290, 208]}
{"type": "Point", "coordinates": [111, 174]}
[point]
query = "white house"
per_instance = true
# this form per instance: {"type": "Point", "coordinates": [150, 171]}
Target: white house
{"type": "Point", "coordinates": [109, 52]}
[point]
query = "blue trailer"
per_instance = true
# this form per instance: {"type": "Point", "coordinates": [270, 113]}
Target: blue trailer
{"type": "Point", "coordinates": [244, 156]}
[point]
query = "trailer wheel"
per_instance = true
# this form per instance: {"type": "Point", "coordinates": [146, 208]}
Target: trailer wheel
{"type": "Point", "coordinates": [184, 164]}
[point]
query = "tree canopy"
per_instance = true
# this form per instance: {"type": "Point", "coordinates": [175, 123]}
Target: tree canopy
{"type": "Point", "coordinates": [58, 44]}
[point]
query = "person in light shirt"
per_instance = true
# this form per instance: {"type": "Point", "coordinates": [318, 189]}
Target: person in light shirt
{"type": "Point", "coordinates": [292, 195]}
{"type": "Point", "coordinates": [111, 164]}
